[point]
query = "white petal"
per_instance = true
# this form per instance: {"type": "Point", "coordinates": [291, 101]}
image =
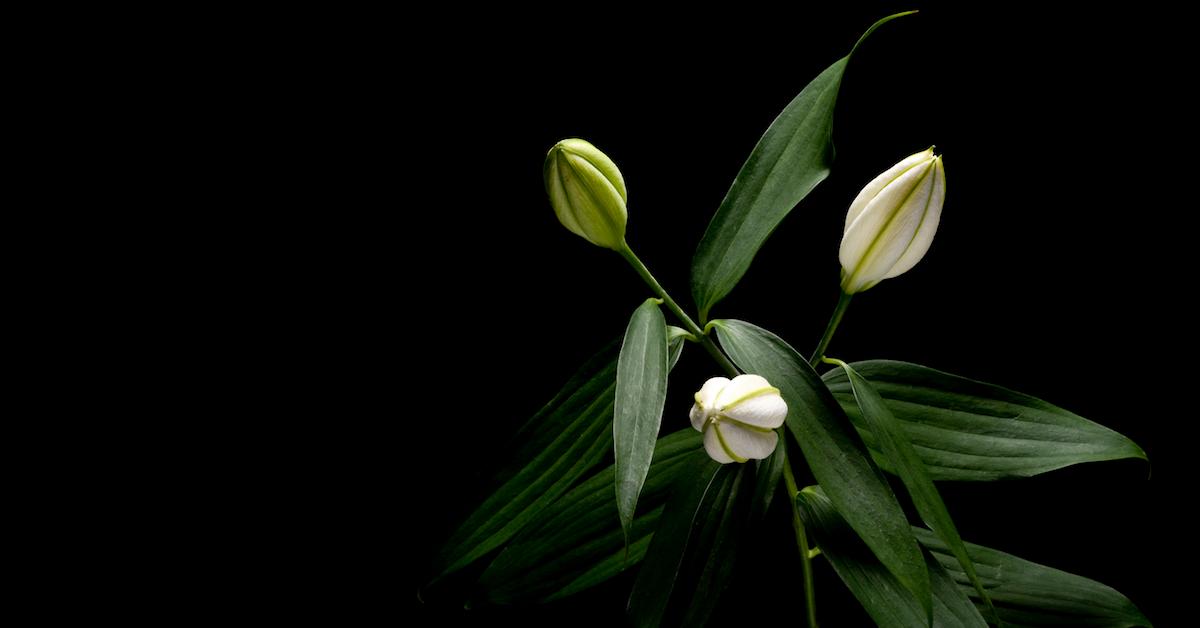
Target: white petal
{"type": "Point", "coordinates": [741, 388]}
{"type": "Point", "coordinates": [747, 443]}
{"type": "Point", "coordinates": [712, 445]}
{"type": "Point", "coordinates": [882, 232]}
{"type": "Point", "coordinates": [928, 227]}
{"type": "Point", "coordinates": [765, 410]}
{"type": "Point", "coordinates": [708, 394]}
{"type": "Point", "coordinates": [698, 417]}
{"type": "Point", "coordinates": [901, 231]}
{"type": "Point", "coordinates": [872, 189]}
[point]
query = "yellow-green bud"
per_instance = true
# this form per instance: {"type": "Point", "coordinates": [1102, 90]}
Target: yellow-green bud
{"type": "Point", "coordinates": [587, 192]}
{"type": "Point", "coordinates": [890, 225]}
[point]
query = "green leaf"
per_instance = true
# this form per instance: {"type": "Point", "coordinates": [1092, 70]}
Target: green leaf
{"type": "Point", "coordinates": [577, 542]}
{"type": "Point", "coordinates": [615, 563]}
{"type": "Point", "coordinates": [793, 156]}
{"type": "Point", "coordinates": [552, 451]}
{"type": "Point", "coordinates": [889, 433]}
{"type": "Point", "coordinates": [968, 430]}
{"type": "Point", "coordinates": [675, 338]}
{"type": "Point", "coordinates": [767, 476]}
{"type": "Point", "coordinates": [887, 601]}
{"type": "Point", "coordinates": [712, 551]}
{"type": "Point", "coordinates": [1029, 594]}
{"type": "Point", "coordinates": [656, 580]}
{"type": "Point", "coordinates": [832, 449]}
{"type": "Point", "coordinates": [641, 393]}
{"type": "Point", "coordinates": [691, 556]}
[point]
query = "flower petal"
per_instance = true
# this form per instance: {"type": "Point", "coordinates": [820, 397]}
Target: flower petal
{"type": "Point", "coordinates": [598, 160]}
{"type": "Point", "coordinates": [698, 417]}
{"type": "Point", "coordinates": [882, 232]}
{"type": "Point", "coordinates": [712, 444]}
{"type": "Point", "coordinates": [872, 189]}
{"type": "Point", "coordinates": [927, 227]}
{"type": "Point", "coordinates": [742, 387]}
{"type": "Point", "coordinates": [747, 443]}
{"type": "Point", "coordinates": [765, 410]}
{"type": "Point", "coordinates": [708, 394]}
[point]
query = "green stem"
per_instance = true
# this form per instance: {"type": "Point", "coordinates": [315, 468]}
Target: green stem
{"type": "Point", "coordinates": [834, 321]}
{"type": "Point", "coordinates": [806, 552]}
{"type": "Point", "coordinates": [687, 321]}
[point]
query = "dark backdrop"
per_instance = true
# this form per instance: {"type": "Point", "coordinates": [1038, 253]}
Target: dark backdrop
{"type": "Point", "coordinates": [1058, 269]}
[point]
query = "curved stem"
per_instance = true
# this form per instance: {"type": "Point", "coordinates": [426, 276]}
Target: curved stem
{"type": "Point", "coordinates": [834, 321]}
{"type": "Point", "coordinates": [806, 552]}
{"type": "Point", "coordinates": [687, 321]}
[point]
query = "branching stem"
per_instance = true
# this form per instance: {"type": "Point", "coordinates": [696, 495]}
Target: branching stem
{"type": "Point", "coordinates": [687, 321]}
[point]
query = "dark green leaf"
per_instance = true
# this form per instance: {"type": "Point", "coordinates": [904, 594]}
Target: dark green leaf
{"type": "Point", "coordinates": [656, 580]}
{"type": "Point", "coordinates": [1029, 594]}
{"type": "Point", "coordinates": [968, 430]}
{"type": "Point", "coordinates": [551, 452]}
{"type": "Point", "coordinates": [691, 556]}
{"type": "Point", "coordinates": [616, 562]}
{"type": "Point", "coordinates": [712, 550]}
{"type": "Point", "coordinates": [832, 449]}
{"type": "Point", "coordinates": [675, 338]}
{"type": "Point", "coordinates": [767, 476]}
{"type": "Point", "coordinates": [577, 541]}
{"type": "Point", "coordinates": [792, 157]}
{"type": "Point", "coordinates": [641, 393]}
{"type": "Point", "coordinates": [904, 459]}
{"type": "Point", "coordinates": [887, 601]}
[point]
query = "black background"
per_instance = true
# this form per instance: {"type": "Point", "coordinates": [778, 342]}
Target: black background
{"type": "Point", "coordinates": [1058, 270]}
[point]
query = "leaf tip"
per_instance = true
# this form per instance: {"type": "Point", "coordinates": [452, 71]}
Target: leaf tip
{"type": "Point", "coordinates": [1136, 452]}
{"type": "Point", "coordinates": [877, 24]}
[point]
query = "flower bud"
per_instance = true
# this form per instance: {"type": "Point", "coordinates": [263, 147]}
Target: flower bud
{"type": "Point", "coordinates": [587, 192]}
{"type": "Point", "coordinates": [892, 221]}
{"type": "Point", "coordinates": [738, 417]}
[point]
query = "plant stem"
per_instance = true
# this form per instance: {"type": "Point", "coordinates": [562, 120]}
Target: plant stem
{"type": "Point", "coordinates": [687, 321]}
{"type": "Point", "coordinates": [806, 553]}
{"type": "Point", "coordinates": [834, 321]}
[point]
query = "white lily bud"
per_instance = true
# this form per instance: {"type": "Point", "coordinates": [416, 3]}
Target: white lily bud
{"type": "Point", "coordinates": [738, 417]}
{"type": "Point", "coordinates": [891, 223]}
{"type": "Point", "coordinates": [587, 192]}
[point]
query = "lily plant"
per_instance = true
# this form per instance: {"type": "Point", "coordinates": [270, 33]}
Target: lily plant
{"type": "Point", "coordinates": [674, 505]}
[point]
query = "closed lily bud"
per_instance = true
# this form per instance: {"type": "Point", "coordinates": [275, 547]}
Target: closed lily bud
{"type": "Point", "coordinates": [587, 192]}
{"type": "Point", "coordinates": [738, 417]}
{"type": "Point", "coordinates": [891, 223]}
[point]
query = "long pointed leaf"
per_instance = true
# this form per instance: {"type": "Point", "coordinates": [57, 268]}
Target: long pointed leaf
{"type": "Point", "coordinates": [691, 557]}
{"type": "Point", "coordinates": [552, 451]}
{"type": "Point", "coordinates": [768, 474]}
{"type": "Point", "coordinates": [968, 430]}
{"type": "Point", "coordinates": [832, 449]}
{"type": "Point", "coordinates": [577, 542]}
{"type": "Point", "coordinates": [887, 601]}
{"type": "Point", "coordinates": [656, 580]}
{"type": "Point", "coordinates": [793, 156]}
{"type": "Point", "coordinates": [904, 459]}
{"type": "Point", "coordinates": [1028, 594]}
{"type": "Point", "coordinates": [712, 551]}
{"type": "Point", "coordinates": [641, 394]}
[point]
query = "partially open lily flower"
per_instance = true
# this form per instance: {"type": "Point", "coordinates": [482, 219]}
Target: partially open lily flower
{"type": "Point", "coordinates": [738, 417]}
